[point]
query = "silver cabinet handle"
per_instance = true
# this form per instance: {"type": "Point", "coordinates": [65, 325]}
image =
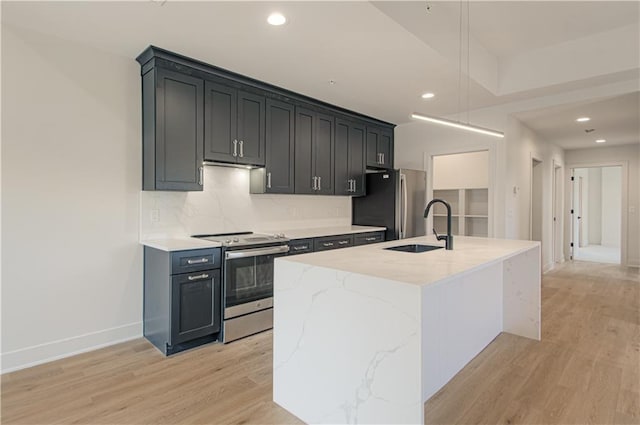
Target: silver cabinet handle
{"type": "Point", "coordinates": [354, 185]}
{"type": "Point", "coordinates": [350, 189]}
{"type": "Point", "coordinates": [200, 175]}
{"type": "Point", "coordinates": [269, 180]}
{"type": "Point", "coordinates": [315, 183]}
{"type": "Point", "coordinates": [370, 239]}
{"type": "Point", "coordinates": [319, 183]}
{"type": "Point", "coordinates": [301, 247]}
{"type": "Point", "coordinates": [327, 244]}
{"type": "Point", "coordinates": [343, 242]}
{"type": "Point", "coordinates": [200, 261]}
{"type": "Point", "coordinates": [382, 158]}
{"type": "Point", "coordinates": [235, 147]}
{"type": "Point", "coordinates": [200, 276]}
{"type": "Point", "coordinates": [241, 148]}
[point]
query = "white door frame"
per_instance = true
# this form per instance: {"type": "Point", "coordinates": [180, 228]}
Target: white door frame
{"type": "Point", "coordinates": [557, 215]}
{"type": "Point", "coordinates": [534, 157]}
{"type": "Point", "coordinates": [624, 207]}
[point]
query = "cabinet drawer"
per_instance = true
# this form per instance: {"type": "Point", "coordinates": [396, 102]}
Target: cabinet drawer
{"type": "Point", "coordinates": [194, 260]}
{"type": "Point", "coordinates": [367, 238]}
{"type": "Point", "coordinates": [300, 246]}
{"type": "Point", "coordinates": [332, 242]}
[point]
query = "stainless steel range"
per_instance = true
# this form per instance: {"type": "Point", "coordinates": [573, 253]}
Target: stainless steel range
{"type": "Point", "coordinates": [247, 273]}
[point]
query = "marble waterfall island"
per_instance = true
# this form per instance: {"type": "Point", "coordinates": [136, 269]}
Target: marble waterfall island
{"type": "Point", "coordinates": [367, 335]}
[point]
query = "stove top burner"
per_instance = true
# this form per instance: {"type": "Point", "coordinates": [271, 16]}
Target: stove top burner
{"type": "Point", "coordinates": [245, 239]}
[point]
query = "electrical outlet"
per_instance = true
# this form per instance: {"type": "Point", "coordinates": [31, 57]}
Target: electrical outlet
{"type": "Point", "coordinates": [155, 215]}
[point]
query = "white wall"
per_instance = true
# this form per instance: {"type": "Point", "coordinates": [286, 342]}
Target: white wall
{"type": "Point", "coordinates": [72, 266]}
{"type": "Point", "coordinates": [629, 155]}
{"type": "Point", "coordinates": [72, 209]}
{"type": "Point", "coordinates": [461, 171]}
{"type": "Point", "coordinates": [611, 206]}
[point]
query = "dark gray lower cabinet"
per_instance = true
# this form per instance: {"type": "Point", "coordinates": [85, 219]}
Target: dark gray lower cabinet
{"type": "Point", "coordinates": [332, 242]}
{"type": "Point", "coordinates": [367, 238]}
{"type": "Point", "coordinates": [324, 243]}
{"type": "Point", "coordinates": [182, 298]}
{"type": "Point", "coordinates": [300, 246]}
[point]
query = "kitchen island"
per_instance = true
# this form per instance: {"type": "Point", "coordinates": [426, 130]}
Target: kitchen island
{"type": "Point", "coordinates": [367, 335]}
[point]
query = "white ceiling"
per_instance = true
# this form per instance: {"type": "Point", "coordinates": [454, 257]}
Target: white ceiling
{"type": "Point", "coordinates": [382, 55]}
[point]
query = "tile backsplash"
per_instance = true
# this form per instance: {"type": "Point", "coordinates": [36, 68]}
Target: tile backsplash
{"type": "Point", "coordinates": [226, 205]}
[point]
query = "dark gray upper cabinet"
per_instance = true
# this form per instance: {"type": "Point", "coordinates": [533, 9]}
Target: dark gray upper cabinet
{"type": "Point", "coordinates": [194, 112]}
{"type": "Point", "coordinates": [379, 147]}
{"type": "Point", "coordinates": [349, 158]}
{"type": "Point", "coordinates": [314, 152]}
{"type": "Point", "coordinates": [234, 125]}
{"type": "Point", "coordinates": [172, 131]}
{"type": "Point", "coordinates": [278, 174]}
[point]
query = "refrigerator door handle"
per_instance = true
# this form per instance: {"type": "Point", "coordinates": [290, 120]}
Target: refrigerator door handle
{"type": "Point", "coordinates": [403, 206]}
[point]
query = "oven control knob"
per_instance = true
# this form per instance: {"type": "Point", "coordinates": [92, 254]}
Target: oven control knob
{"type": "Point", "coordinates": [227, 241]}
{"type": "Point", "coordinates": [236, 240]}
{"type": "Point", "coordinates": [281, 235]}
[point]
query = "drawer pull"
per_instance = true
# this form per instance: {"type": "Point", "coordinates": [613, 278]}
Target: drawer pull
{"type": "Point", "coordinates": [298, 248]}
{"type": "Point", "coordinates": [200, 276]}
{"type": "Point", "coordinates": [373, 238]}
{"type": "Point", "coordinates": [327, 244]}
{"type": "Point", "coordinates": [200, 261]}
{"type": "Point", "coordinates": [343, 242]}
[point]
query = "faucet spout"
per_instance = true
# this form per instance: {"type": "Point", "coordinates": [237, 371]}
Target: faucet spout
{"type": "Point", "coordinates": [448, 240]}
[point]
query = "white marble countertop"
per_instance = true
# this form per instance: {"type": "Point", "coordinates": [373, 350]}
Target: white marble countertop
{"type": "Point", "coordinates": [179, 244]}
{"type": "Point", "coordinates": [327, 231]}
{"type": "Point", "coordinates": [468, 254]}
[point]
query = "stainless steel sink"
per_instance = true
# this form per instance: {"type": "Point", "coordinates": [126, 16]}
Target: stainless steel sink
{"type": "Point", "coordinates": [415, 248]}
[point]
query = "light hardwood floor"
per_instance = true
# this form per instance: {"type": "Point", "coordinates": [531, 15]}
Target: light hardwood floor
{"type": "Point", "coordinates": [586, 369]}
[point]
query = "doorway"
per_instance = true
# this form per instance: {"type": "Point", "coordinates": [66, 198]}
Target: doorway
{"type": "Point", "coordinates": [597, 214]}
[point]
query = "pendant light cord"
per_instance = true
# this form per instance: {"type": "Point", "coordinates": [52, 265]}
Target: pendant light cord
{"type": "Point", "coordinates": [460, 64]}
{"type": "Point", "coordinates": [468, 63]}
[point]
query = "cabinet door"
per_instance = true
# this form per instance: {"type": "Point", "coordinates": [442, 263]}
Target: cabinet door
{"type": "Point", "coordinates": [251, 131]}
{"type": "Point", "coordinates": [280, 135]}
{"type": "Point", "coordinates": [305, 129]}
{"type": "Point", "coordinates": [179, 131]}
{"type": "Point", "coordinates": [220, 123]}
{"type": "Point", "coordinates": [323, 152]}
{"type": "Point", "coordinates": [341, 160]}
{"type": "Point", "coordinates": [373, 157]}
{"type": "Point", "coordinates": [357, 169]}
{"type": "Point", "coordinates": [195, 305]}
{"type": "Point", "coordinates": [385, 147]}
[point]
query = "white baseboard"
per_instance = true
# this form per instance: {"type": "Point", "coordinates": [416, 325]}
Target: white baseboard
{"type": "Point", "coordinates": [548, 267]}
{"type": "Point", "coordinates": [44, 353]}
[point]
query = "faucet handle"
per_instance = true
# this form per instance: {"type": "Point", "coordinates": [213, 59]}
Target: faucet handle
{"type": "Point", "coordinates": [439, 237]}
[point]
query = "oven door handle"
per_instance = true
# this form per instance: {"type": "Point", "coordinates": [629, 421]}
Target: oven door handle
{"type": "Point", "coordinates": [230, 255]}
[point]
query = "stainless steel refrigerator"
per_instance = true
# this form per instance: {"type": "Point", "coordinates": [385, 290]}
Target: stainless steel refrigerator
{"type": "Point", "coordinates": [395, 199]}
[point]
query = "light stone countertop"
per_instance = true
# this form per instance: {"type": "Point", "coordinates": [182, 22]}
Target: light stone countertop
{"type": "Point", "coordinates": [179, 244]}
{"type": "Point", "coordinates": [327, 231]}
{"type": "Point", "coordinates": [468, 254]}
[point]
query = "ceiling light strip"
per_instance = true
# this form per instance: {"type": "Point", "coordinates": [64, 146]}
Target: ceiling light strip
{"type": "Point", "coordinates": [459, 125]}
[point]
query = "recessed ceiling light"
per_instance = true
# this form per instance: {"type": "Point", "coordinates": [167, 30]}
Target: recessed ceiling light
{"type": "Point", "coordinates": [600, 141]}
{"type": "Point", "coordinates": [428, 95]}
{"type": "Point", "coordinates": [583, 119]}
{"type": "Point", "coordinates": [276, 19]}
